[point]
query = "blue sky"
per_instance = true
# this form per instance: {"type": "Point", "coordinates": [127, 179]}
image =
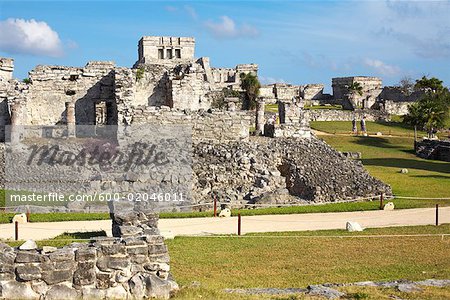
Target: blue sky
{"type": "Point", "coordinates": [295, 42]}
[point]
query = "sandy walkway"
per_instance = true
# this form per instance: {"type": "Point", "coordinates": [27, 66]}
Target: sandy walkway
{"type": "Point", "coordinates": [268, 223]}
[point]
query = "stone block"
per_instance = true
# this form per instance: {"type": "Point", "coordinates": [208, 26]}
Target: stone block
{"type": "Point", "coordinates": [28, 256]}
{"type": "Point", "coordinates": [86, 254]}
{"type": "Point", "coordinates": [17, 290]}
{"type": "Point", "coordinates": [137, 250]}
{"type": "Point", "coordinates": [157, 249]}
{"type": "Point", "coordinates": [60, 291]}
{"type": "Point", "coordinates": [62, 255]}
{"type": "Point", "coordinates": [85, 274]}
{"type": "Point", "coordinates": [118, 262]}
{"type": "Point", "coordinates": [57, 276]}
{"type": "Point", "coordinates": [113, 249]}
{"type": "Point", "coordinates": [103, 280]}
{"type": "Point", "coordinates": [157, 288]}
{"type": "Point", "coordinates": [28, 272]}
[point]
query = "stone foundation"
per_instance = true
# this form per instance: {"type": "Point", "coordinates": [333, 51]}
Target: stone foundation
{"type": "Point", "coordinates": [132, 265]}
{"type": "Point", "coordinates": [346, 115]}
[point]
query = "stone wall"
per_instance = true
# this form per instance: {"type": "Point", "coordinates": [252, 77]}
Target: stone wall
{"type": "Point", "coordinates": [282, 170]}
{"type": "Point", "coordinates": [434, 149]}
{"type": "Point", "coordinates": [345, 115]}
{"type": "Point", "coordinates": [216, 126]}
{"type": "Point", "coordinates": [134, 265]}
{"type": "Point", "coordinates": [286, 91]}
{"type": "Point", "coordinates": [394, 101]}
{"type": "Point", "coordinates": [52, 86]}
{"type": "Point", "coordinates": [165, 48]}
{"type": "Point", "coordinates": [371, 89]}
{"type": "Point", "coordinates": [6, 68]}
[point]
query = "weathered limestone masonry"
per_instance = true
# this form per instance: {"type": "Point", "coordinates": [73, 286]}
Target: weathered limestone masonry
{"type": "Point", "coordinates": [434, 149]}
{"type": "Point", "coordinates": [346, 115]}
{"type": "Point", "coordinates": [394, 101]}
{"type": "Point", "coordinates": [292, 120]}
{"type": "Point", "coordinates": [132, 265]}
{"type": "Point", "coordinates": [90, 89]}
{"type": "Point", "coordinates": [371, 89]}
{"type": "Point", "coordinates": [213, 126]}
{"type": "Point", "coordinates": [282, 170]}
{"type": "Point", "coordinates": [158, 48]}
{"type": "Point", "coordinates": [6, 68]}
{"type": "Point", "coordinates": [312, 94]}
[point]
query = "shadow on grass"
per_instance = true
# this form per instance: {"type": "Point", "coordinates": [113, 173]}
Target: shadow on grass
{"type": "Point", "coordinates": [408, 163]}
{"type": "Point", "coordinates": [375, 142]}
{"type": "Point", "coordinates": [82, 235]}
{"type": "Point", "coordinates": [432, 176]}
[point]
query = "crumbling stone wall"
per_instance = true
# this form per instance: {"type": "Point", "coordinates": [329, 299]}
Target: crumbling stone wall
{"type": "Point", "coordinates": [346, 115]}
{"type": "Point", "coordinates": [395, 101]}
{"type": "Point", "coordinates": [283, 170]}
{"type": "Point", "coordinates": [434, 149]}
{"type": "Point", "coordinates": [52, 86]}
{"type": "Point", "coordinates": [216, 126]}
{"type": "Point", "coordinates": [6, 68]}
{"type": "Point", "coordinates": [371, 89]}
{"type": "Point", "coordinates": [134, 264]}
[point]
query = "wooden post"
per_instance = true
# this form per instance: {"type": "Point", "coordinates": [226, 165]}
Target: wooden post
{"type": "Point", "coordinates": [415, 138]}
{"type": "Point", "coordinates": [28, 214]}
{"type": "Point", "coordinates": [16, 231]}
{"type": "Point", "coordinates": [381, 201]}
{"type": "Point", "coordinates": [239, 224]}
{"type": "Point", "coordinates": [215, 205]}
{"type": "Point", "coordinates": [437, 214]}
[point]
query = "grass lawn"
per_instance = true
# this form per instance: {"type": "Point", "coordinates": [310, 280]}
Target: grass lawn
{"type": "Point", "coordinates": [283, 262]}
{"type": "Point", "coordinates": [386, 128]}
{"type": "Point", "coordinates": [383, 157]}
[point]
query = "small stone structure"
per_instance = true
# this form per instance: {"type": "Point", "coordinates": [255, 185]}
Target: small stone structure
{"type": "Point", "coordinates": [134, 264]}
{"type": "Point", "coordinates": [6, 68]}
{"type": "Point", "coordinates": [433, 149]}
{"type": "Point", "coordinates": [163, 48]}
{"type": "Point", "coordinates": [371, 89]}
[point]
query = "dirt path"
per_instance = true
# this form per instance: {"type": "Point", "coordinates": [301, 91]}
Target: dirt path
{"type": "Point", "coordinates": [267, 223]}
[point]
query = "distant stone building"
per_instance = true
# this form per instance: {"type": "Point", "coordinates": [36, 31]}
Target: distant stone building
{"type": "Point", "coordinates": [371, 89]}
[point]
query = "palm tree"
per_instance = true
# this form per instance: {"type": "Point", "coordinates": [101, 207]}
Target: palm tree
{"type": "Point", "coordinates": [353, 89]}
{"type": "Point", "coordinates": [250, 84]}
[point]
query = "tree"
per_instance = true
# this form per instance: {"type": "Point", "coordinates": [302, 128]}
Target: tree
{"type": "Point", "coordinates": [430, 112]}
{"type": "Point", "coordinates": [430, 84]}
{"type": "Point", "coordinates": [250, 84]}
{"type": "Point", "coordinates": [406, 85]}
{"type": "Point", "coordinates": [355, 88]}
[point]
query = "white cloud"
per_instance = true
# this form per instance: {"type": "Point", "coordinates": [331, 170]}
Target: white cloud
{"type": "Point", "coordinates": [270, 80]}
{"type": "Point", "coordinates": [191, 11]}
{"type": "Point", "coordinates": [29, 37]}
{"type": "Point", "coordinates": [381, 67]}
{"type": "Point", "coordinates": [227, 28]}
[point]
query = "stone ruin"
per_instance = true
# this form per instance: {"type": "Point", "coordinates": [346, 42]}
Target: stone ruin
{"type": "Point", "coordinates": [134, 264]}
{"type": "Point", "coordinates": [168, 86]}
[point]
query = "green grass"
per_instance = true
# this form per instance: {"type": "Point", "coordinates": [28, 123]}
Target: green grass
{"type": "Point", "coordinates": [383, 157]}
{"type": "Point", "coordinates": [271, 108]}
{"type": "Point", "coordinates": [324, 107]}
{"type": "Point", "coordinates": [289, 261]}
{"type": "Point", "coordinates": [386, 128]}
{"type": "Point", "coordinates": [63, 239]}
